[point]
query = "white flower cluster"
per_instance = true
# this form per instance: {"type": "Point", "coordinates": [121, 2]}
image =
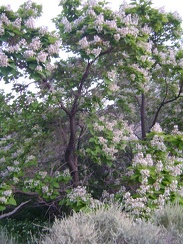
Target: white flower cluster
{"type": "Point", "coordinates": [140, 159]}
{"type": "Point", "coordinates": [135, 205]}
{"type": "Point", "coordinates": [84, 44]}
{"type": "Point", "coordinates": [98, 23]}
{"type": "Point", "coordinates": [30, 158]}
{"type": "Point", "coordinates": [67, 24]}
{"type": "Point", "coordinates": [3, 59]}
{"type": "Point", "coordinates": [156, 128]}
{"type": "Point", "coordinates": [30, 23]}
{"type": "Point", "coordinates": [13, 169]}
{"type": "Point", "coordinates": [113, 87]}
{"type": "Point", "coordinates": [4, 19]}
{"type": "Point", "coordinates": [158, 143]}
{"type": "Point", "coordinates": [45, 189]}
{"type": "Point", "coordinates": [1, 29]}
{"type": "Point", "coordinates": [3, 199]}
{"type": "Point", "coordinates": [7, 193]}
{"type": "Point", "coordinates": [177, 16]}
{"type": "Point", "coordinates": [79, 192]}
{"type": "Point", "coordinates": [43, 174]}
{"type": "Point", "coordinates": [50, 66]}
{"type": "Point", "coordinates": [54, 48]}
{"type": "Point", "coordinates": [13, 49]}
{"type": "Point", "coordinates": [41, 57]}
{"type": "Point", "coordinates": [17, 23]}
{"type": "Point", "coordinates": [29, 54]}
{"type": "Point", "coordinates": [176, 131]}
{"type": "Point", "coordinates": [66, 172]}
{"type": "Point", "coordinates": [141, 70]}
{"type": "Point", "coordinates": [31, 183]}
{"type": "Point", "coordinates": [35, 44]}
{"type": "Point", "coordinates": [175, 169]}
{"type": "Point", "coordinates": [43, 30]}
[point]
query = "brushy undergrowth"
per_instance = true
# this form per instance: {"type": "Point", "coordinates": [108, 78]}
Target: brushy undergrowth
{"type": "Point", "coordinates": [5, 238]}
{"type": "Point", "coordinates": [105, 226]}
{"type": "Point", "coordinates": [171, 217]}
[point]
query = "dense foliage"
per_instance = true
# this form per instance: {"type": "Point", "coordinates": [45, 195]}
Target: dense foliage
{"type": "Point", "coordinates": [84, 129]}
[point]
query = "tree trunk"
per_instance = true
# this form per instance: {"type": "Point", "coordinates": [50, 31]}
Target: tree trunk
{"type": "Point", "coordinates": [142, 116]}
{"type": "Point", "coordinates": [70, 154]}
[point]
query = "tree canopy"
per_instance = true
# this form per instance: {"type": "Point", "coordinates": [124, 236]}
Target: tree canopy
{"type": "Point", "coordinates": [92, 114]}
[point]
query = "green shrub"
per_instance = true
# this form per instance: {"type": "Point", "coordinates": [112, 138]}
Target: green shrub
{"type": "Point", "coordinates": [105, 226]}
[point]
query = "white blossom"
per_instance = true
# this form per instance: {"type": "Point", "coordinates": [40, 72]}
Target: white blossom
{"type": "Point", "coordinates": [30, 23]}
{"type": "Point", "coordinates": [41, 57]}
{"type": "Point", "coordinates": [39, 68]}
{"type": "Point", "coordinates": [145, 172]}
{"type": "Point", "coordinates": [11, 168]}
{"type": "Point", "coordinates": [156, 128]}
{"type": "Point", "coordinates": [113, 87]}
{"type": "Point", "coordinates": [158, 143]}
{"type": "Point", "coordinates": [91, 12]}
{"type": "Point", "coordinates": [16, 163]}
{"type": "Point", "coordinates": [51, 67]}
{"type": "Point", "coordinates": [29, 54]}
{"type": "Point", "coordinates": [84, 43]}
{"type": "Point", "coordinates": [54, 48]}
{"type": "Point", "coordinates": [3, 60]}
{"type": "Point", "coordinates": [4, 19]}
{"type": "Point", "coordinates": [43, 174]}
{"type": "Point", "coordinates": [31, 157]}
{"type": "Point", "coordinates": [45, 189]}
{"type": "Point", "coordinates": [111, 23]}
{"type": "Point", "coordinates": [17, 23]}
{"type": "Point", "coordinates": [1, 29]}
{"type": "Point", "coordinates": [159, 166]}
{"type": "Point", "coordinates": [43, 30]}
{"type": "Point", "coordinates": [3, 199]}
{"type": "Point", "coordinates": [117, 37]}
{"type": "Point", "coordinates": [96, 51]}
{"type": "Point", "coordinates": [97, 39]}
{"type": "Point", "coordinates": [67, 24]}
{"type": "Point", "coordinates": [7, 193]}
{"type": "Point", "coordinates": [15, 48]}
{"type": "Point", "coordinates": [99, 22]}
{"type": "Point", "coordinates": [177, 16]}
{"type": "Point", "coordinates": [35, 44]}
{"type": "Point", "coordinates": [15, 180]}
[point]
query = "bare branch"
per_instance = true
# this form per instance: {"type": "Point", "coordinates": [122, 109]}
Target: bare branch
{"type": "Point", "coordinates": [2, 216]}
{"type": "Point", "coordinates": [163, 103]}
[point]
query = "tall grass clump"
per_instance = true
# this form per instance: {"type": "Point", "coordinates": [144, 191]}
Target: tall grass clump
{"type": "Point", "coordinates": [105, 225]}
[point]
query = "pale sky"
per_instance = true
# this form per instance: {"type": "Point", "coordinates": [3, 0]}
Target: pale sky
{"type": "Point", "coordinates": [51, 9]}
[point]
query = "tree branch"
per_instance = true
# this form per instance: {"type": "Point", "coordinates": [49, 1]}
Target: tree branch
{"type": "Point", "coordinates": [14, 211]}
{"type": "Point", "coordinates": [165, 102]}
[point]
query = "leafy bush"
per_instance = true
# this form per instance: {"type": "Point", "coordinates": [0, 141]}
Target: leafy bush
{"type": "Point", "coordinates": [105, 225]}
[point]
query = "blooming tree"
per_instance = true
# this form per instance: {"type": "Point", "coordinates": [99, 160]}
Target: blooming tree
{"type": "Point", "coordinates": [110, 52]}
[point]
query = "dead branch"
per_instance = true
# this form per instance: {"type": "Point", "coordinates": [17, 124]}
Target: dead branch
{"type": "Point", "coordinates": [2, 216]}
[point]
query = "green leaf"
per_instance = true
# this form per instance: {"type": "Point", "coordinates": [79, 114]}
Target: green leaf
{"type": "Point", "coordinates": [56, 185]}
{"type": "Point", "coordinates": [2, 208]}
{"type": "Point", "coordinates": [12, 201]}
